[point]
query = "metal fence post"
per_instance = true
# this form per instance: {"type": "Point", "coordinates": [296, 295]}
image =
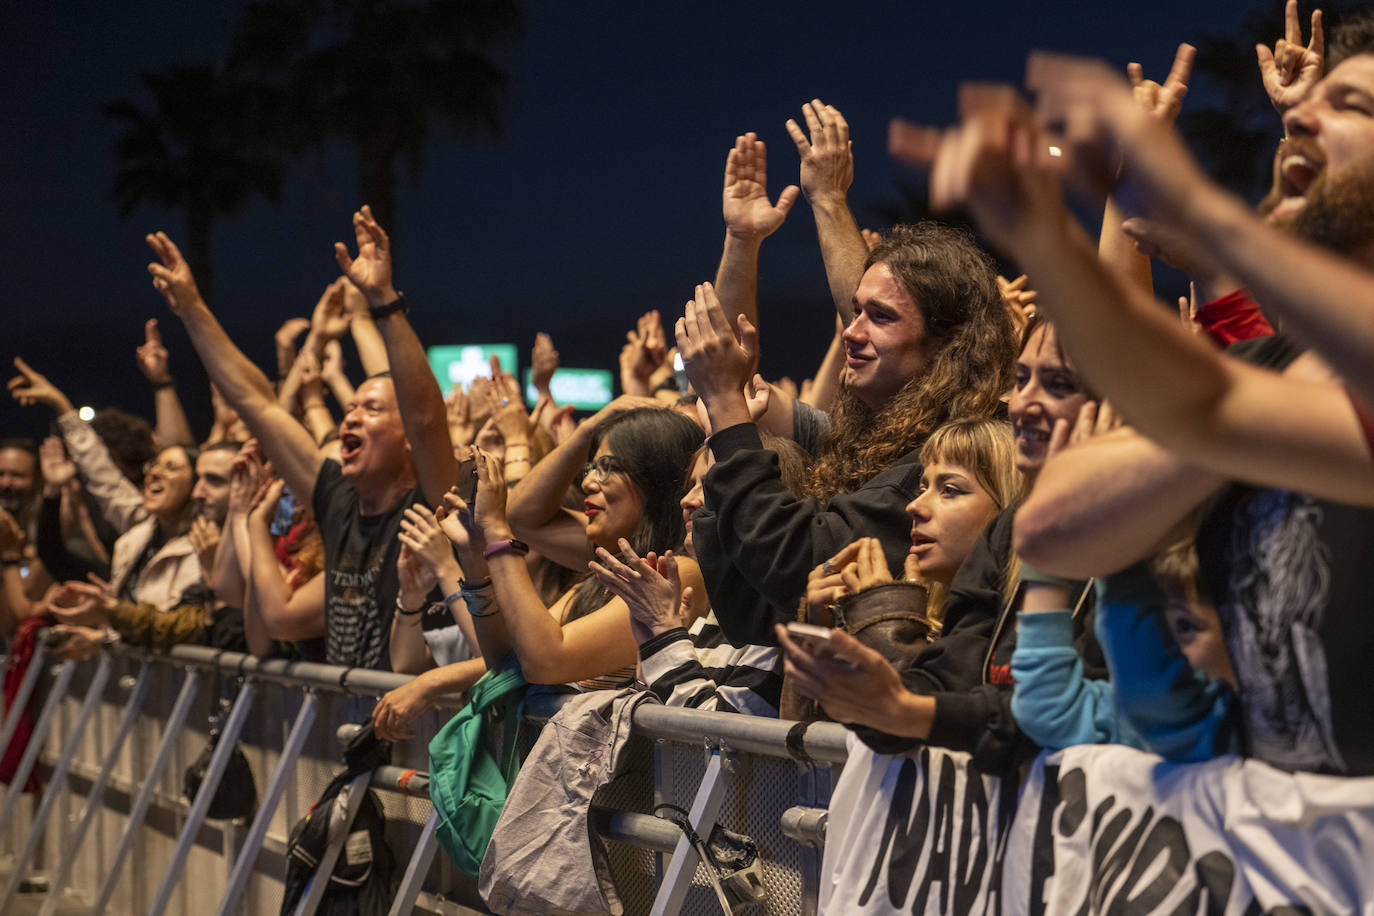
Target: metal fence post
{"type": "Point", "coordinates": [21, 699]}
{"type": "Point", "coordinates": [677, 878]}
{"type": "Point", "coordinates": [417, 868]}
{"type": "Point", "coordinates": [35, 745]}
{"type": "Point", "coordinates": [132, 707]}
{"type": "Point", "coordinates": [338, 832]}
{"type": "Point", "coordinates": [145, 794]}
{"type": "Point", "coordinates": [59, 778]}
{"type": "Point", "coordinates": [252, 844]}
{"type": "Point", "coordinates": [219, 762]}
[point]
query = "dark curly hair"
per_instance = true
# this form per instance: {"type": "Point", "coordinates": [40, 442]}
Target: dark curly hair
{"type": "Point", "coordinates": [1352, 34]}
{"type": "Point", "coordinates": [972, 349]}
{"type": "Point", "coordinates": [128, 438]}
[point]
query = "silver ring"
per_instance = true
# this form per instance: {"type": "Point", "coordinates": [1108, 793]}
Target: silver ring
{"type": "Point", "coordinates": [828, 568]}
{"type": "Point", "coordinates": [505, 402]}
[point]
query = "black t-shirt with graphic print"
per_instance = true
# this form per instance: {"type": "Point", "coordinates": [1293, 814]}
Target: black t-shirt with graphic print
{"type": "Point", "coordinates": [1290, 577]}
{"type": "Point", "coordinates": [360, 582]}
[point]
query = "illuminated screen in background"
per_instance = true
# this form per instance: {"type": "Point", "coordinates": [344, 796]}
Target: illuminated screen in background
{"type": "Point", "coordinates": [460, 365]}
{"type": "Point", "coordinates": [585, 389]}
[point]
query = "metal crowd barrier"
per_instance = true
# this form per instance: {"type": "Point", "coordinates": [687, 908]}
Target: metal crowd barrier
{"type": "Point", "coordinates": [728, 769]}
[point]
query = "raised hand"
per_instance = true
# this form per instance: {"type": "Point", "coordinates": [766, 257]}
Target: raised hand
{"type": "Point", "coordinates": [370, 271]}
{"type": "Point", "coordinates": [247, 475]}
{"type": "Point", "coordinates": [421, 533]}
{"type": "Point", "coordinates": [29, 388]}
{"type": "Point", "coordinates": [332, 365]}
{"type": "Point", "coordinates": [171, 274]}
{"type": "Point", "coordinates": [825, 584]}
{"type": "Point", "coordinates": [458, 408]}
{"type": "Point", "coordinates": [718, 363]}
{"type": "Point", "coordinates": [330, 319]}
{"type": "Point", "coordinates": [417, 578]}
{"type": "Point", "coordinates": [827, 159]}
{"type": "Point", "coordinates": [57, 468]}
{"type": "Point", "coordinates": [152, 355]}
{"type": "Point", "coordinates": [205, 537]}
{"type": "Point", "coordinates": [744, 202]}
{"type": "Point", "coordinates": [509, 417]}
{"type": "Point", "coordinates": [1164, 101]}
{"type": "Point", "coordinates": [543, 362]}
{"type": "Point", "coordinates": [290, 330]}
{"type": "Point", "coordinates": [1018, 300]}
{"type": "Point", "coordinates": [644, 353]}
{"type": "Point", "coordinates": [12, 538]}
{"type": "Point", "coordinates": [312, 376]}
{"type": "Point", "coordinates": [1093, 419]}
{"type": "Point", "coordinates": [650, 586]}
{"type": "Point", "coordinates": [1290, 70]}
{"type": "Point", "coordinates": [871, 238]}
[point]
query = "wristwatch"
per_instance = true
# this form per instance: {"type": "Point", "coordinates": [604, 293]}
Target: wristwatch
{"type": "Point", "coordinates": [511, 544]}
{"type": "Point", "coordinates": [395, 305]}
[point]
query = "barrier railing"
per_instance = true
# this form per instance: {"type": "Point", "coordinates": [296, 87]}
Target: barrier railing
{"type": "Point", "coordinates": [90, 743]}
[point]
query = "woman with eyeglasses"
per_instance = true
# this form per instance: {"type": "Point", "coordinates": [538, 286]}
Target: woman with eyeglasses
{"type": "Point", "coordinates": [629, 463]}
{"type": "Point", "coordinates": [153, 561]}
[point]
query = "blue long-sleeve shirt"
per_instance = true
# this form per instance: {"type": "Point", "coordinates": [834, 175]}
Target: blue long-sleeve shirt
{"type": "Point", "coordinates": [1181, 713]}
{"type": "Point", "coordinates": [1054, 704]}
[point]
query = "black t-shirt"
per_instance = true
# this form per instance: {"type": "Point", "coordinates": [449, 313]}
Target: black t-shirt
{"type": "Point", "coordinates": [360, 582]}
{"type": "Point", "coordinates": [1288, 574]}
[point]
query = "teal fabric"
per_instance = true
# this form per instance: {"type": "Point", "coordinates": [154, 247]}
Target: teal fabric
{"type": "Point", "coordinates": [467, 785]}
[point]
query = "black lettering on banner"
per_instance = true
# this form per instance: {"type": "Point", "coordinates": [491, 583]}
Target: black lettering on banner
{"type": "Point", "coordinates": [1042, 850]}
{"type": "Point", "coordinates": [941, 840]}
{"type": "Point", "coordinates": [968, 877]}
{"type": "Point", "coordinates": [904, 836]}
{"type": "Point", "coordinates": [1214, 874]}
{"type": "Point", "coordinates": [1105, 877]}
{"type": "Point", "coordinates": [1166, 837]}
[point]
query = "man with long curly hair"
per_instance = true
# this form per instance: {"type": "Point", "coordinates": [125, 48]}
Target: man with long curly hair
{"type": "Point", "coordinates": [929, 341]}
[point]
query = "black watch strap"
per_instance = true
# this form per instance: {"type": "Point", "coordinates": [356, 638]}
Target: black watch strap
{"type": "Point", "coordinates": [398, 304]}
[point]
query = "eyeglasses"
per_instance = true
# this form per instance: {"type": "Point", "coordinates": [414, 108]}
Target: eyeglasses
{"type": "Point", "coordinates": [167, 467]}
{"type": "Point", "coordinates": [602, 468]}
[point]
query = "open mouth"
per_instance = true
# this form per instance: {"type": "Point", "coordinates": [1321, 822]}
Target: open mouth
{"type": "Point", "coordinates": [1296, 174]}
{"type": "Point", "coordinates": [1032, 436]}
{"type": "Point", "coordinates": [349, 446]}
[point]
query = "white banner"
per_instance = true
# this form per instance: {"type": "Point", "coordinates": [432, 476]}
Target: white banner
{"type": "Point", "coordinates": [1095, 829]}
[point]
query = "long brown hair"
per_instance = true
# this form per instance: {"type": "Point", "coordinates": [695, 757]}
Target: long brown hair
{"type": "Point", "coordinates": [972, 349]}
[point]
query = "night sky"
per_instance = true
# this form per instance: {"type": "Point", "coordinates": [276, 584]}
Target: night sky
{"type": "Point", "coordinates": [601, 200]}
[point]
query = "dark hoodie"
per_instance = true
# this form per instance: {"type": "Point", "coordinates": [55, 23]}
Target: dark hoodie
{"type": "Point", "coordinates": [968, 669]}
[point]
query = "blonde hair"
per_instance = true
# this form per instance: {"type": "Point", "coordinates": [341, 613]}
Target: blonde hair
{"type": "Point", "coordinates": [985, 448]}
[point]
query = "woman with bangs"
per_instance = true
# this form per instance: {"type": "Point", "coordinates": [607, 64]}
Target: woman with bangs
{"type": "Point", "coordinates": [956, 692]}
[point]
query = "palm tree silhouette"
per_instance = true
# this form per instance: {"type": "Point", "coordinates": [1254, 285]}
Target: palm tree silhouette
{"type": "Point", "coordinates": [201, 149]}
{"type": "Point", "coordinates": [380, 74]}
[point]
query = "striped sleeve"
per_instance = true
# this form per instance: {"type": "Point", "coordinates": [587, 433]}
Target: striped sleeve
{"type": "Point", "coordinates": [699, 669]}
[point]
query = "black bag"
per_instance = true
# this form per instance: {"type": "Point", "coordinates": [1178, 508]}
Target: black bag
{"type": "Point", "coordinates": [237, 794]}
{"type": "Point", "coordinates": [364, 879]}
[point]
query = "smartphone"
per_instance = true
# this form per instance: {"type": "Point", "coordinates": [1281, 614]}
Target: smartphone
{"type": "Point", "coordinates": [814, 639]}
{"type": "Point", "coordinates": [467, 480]}
{"type": "Point", "coordinates": [284, 516]}
{"type": "Point", "coordinates": [680, 373]}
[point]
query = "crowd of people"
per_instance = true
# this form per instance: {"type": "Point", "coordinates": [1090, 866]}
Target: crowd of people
{"type": "Point", "coordinates": [1027, 513]}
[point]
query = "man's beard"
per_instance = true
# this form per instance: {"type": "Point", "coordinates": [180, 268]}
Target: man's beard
{"type": "Point", "coordinates": [1336, 214]}
{"type": "Point", "coordinates": [14, 501]}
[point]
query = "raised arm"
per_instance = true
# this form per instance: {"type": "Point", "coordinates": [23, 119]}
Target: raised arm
{"type": "Point", "coordinates": [172, 428]}
{"type": "Point", "coordinates": [284, 614]}
{"type": "Point", "coordinates": [241, 383]}
{"type": "Point", "coordinates": [120, 501]}
{"type": "Point", "coordinates": [417, 391]}
{"type": "Point", "coordinates": [749, 219]}
{"type": "Point", "coordinates": [1115, 247]}
{"type": "Point", "coordinates": [536, 510]}
{"type": "Point", "coordinates": [1290, 70]}
{"type": "Point", "coordinates": [1238, 420]}
{"type": "Point", "coordinates": [366, 337]}
{"type": "Point", "coordinates": [827, 170]}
